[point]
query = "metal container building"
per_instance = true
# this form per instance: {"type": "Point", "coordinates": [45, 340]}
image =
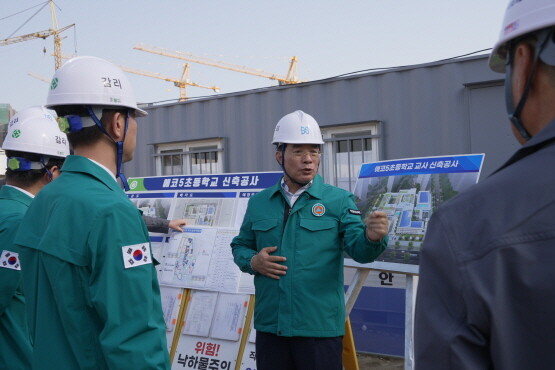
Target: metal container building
{"type": "Point", "coordinates": [449, 107]}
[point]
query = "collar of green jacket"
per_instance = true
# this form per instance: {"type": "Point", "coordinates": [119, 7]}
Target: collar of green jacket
{"type": "Point", "coordinates": [77, 163]}
{"type": "Point", "coordinates": [10, 192]}
{"type": "Point", "coordinates": [315, 190]}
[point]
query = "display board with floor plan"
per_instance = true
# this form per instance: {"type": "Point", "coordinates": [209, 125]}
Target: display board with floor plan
{"type": "Point", "coordinates": [207, 301]}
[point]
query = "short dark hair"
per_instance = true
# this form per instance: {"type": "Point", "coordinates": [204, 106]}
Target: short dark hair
{"type": "Point", "coordinates": [28, 178]}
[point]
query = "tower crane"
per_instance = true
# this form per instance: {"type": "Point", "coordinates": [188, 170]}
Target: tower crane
{"type": "Point", "coordinates": [290, 78]}
{"type": "Point", "coordinates": [54, 31]}
{"type": "Point", "coordinates": [57, 38]}
{"type": "Point", "coordinates": [182, 83]}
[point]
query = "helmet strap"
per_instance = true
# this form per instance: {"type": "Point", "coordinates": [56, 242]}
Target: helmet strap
{"type": "Point", "coordinates": [515, 112]}
{"type": "Point", "coordinates": [119, 144]}
{"type": "Point", "coordinates": [120, 154]}
{"type": "Point", "coordinates": [43, 161]}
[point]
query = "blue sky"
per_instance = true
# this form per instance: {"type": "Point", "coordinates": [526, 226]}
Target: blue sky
{"type": "Point", "coordinates": [329, 38]}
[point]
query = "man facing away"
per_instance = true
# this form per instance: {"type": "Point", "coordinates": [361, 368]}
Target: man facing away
{"type": "Point", "coordinates": [35, 149]}
{"type": "Point", "coordinates": [93, 295]}
{"type": "Point", "coordinates": [486, 296]}
{"type": "Point", "coordinates": [292, 239]}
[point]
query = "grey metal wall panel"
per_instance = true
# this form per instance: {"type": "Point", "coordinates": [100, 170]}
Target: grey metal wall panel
{"type": "Point", "coordinates": [426, 110]}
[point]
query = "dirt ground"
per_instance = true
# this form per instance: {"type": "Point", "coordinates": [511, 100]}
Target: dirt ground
{"type": "Point", "coordinates": [367, 361]}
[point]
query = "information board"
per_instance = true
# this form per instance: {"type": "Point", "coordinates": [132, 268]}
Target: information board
{"type": "Point", "coordinates": [205, 329]}
{"type": "Point", "coordinates": [409, 191]}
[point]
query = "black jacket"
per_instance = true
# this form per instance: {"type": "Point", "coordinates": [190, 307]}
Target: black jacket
{"type": "Point", "coordinates": [486, 294]}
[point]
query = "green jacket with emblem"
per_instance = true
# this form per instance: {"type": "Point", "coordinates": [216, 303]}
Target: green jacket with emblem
{"type": "Point", "coordinates": [15, 346]}
{"type": "Point", "coordinates": [308, 301]}
{"type": "Point", "coordinates": [86, 310]}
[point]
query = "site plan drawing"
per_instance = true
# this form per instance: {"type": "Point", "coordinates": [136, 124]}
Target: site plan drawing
{"type": "Point", "coordinates": [200, 258]}
{"type": "Point", "coordinates": [205, 209]}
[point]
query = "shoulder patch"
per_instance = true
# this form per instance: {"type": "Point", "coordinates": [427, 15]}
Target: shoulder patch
{"type": "Point", "coordinates": [136, 255]}
{"type": "Point", "coordinates": [10, 260]}
{"type": "Point", "coordinates": [355, 212]}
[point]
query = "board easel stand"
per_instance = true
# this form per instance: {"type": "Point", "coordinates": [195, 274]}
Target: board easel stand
{"type": "Point", "coordinates": [359, 278]}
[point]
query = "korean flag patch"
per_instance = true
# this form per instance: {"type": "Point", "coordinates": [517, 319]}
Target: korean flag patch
{"type": "Point", "coordinates": [136, 255]}
{"type": "Point", "coordinates": [10, 260]}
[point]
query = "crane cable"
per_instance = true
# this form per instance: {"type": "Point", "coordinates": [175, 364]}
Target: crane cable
{"type": "Point", "coordinates": [22, 11]}
{"type": "Point", "coordinates": [27, 21]}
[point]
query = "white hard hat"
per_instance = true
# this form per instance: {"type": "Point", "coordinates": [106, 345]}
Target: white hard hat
{"type": "Point", "coordinates": [523, 17]}
{"type": "Point", "coordinates": [297, 128]}
{"type": "Point", "coordinates": [35, 130]}
{"type": "Point", "coordinates": [91, 81]}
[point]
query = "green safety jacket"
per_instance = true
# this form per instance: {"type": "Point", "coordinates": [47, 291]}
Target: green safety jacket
{"type": "Point", "coordinates": [92, 294]}
{"type": "Point", "coordinates": [15, 346]}
{"type": "Point", "coordinates": [308, 301]}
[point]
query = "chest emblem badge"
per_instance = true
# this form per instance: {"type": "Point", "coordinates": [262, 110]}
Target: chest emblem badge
{"type": "Point", "coordinates": [318, 209]}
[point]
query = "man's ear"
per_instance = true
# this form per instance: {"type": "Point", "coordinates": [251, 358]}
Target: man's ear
{"type": "Point", "coordinates": [116, 125]}
{"type": "Point", "coordinates": [279, 156]}
{"type": "Point", "coordinates": [45, 179]}
{"type": "Point", "coordinates": [55, 171]}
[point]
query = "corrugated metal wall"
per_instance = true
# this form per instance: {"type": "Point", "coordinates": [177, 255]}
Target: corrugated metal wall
{"type": "Point", "coordinates": [452, 107]}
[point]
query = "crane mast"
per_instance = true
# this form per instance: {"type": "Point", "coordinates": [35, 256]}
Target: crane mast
{"type": "Point", "coordinates": [57, 38]}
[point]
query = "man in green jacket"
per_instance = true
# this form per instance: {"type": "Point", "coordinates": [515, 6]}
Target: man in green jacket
{"type": "Point", "coordinates": [35, 148]}
{"type": "Point", "coordinates": [292, 239]}
{"type": "Point", "coordinates": [91, 287]}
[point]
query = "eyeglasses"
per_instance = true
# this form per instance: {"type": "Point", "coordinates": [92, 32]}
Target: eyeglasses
{"type": "Point", "coordinates": [314, 154]}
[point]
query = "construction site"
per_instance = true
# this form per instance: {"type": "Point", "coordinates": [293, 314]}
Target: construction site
{"type": "Point", "coordinates": [198, 127]}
